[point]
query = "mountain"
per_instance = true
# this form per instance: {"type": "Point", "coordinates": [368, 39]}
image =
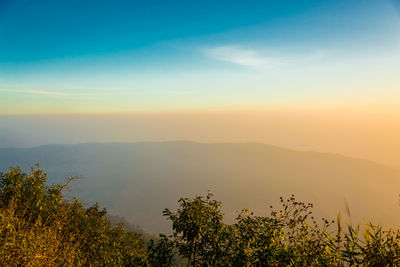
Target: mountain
{"type": "Point", "coordinates": [138, 180]}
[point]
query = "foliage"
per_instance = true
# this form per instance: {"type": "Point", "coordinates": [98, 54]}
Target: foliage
{"type": "Point", "coordinates": [39, 227]}
{"type": "Point", "coordinates": [198, 230]}
{"type": "Point", "coordinates": [161, 253]}
{"type": "Point", "coordinates": [288, 237]}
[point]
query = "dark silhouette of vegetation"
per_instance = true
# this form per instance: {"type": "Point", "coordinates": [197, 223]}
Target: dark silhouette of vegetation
{"type": "Point", "coordinates": [161, 253]}
{"type": "Point", "coordinates": [40, 227]}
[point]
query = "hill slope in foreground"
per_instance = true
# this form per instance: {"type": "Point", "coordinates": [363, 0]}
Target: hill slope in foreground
{"type": "Point", "coordinates": [139, 180]}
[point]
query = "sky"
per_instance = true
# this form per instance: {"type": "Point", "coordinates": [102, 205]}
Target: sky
{"type": "Point", "coordinates": [317, 75]}
{"type": "Point", "coordinates": [130, 56]}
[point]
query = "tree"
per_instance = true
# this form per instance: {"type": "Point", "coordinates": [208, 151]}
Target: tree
{"type": "Point", "coordinates": [199, 230]}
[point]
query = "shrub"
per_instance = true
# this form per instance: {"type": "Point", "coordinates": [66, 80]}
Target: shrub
{"type": "Point", "coordinates": [39, 227]}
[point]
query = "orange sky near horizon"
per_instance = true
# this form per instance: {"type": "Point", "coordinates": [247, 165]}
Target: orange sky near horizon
{"type": "Point", "coordinates": [372, 134]}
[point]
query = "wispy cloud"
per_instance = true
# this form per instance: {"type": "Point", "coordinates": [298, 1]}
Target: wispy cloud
{"type": "Point", "coordinates": [49, 93]}
{"type": "Point", "coordinates": [242, 56]}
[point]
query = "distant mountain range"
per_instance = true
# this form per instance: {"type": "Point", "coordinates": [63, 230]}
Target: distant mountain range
{"type": "Point", "coordinates": [138, 180]}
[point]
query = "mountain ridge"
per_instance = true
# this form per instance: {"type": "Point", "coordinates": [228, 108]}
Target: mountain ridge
{"type": "Point", "coordinates": [266, 145]}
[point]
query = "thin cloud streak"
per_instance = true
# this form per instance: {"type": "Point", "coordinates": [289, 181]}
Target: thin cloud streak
{"type": "Point", "coordinates": [49, 93]}
{"type": "Point", "coordinates": [241, 56]}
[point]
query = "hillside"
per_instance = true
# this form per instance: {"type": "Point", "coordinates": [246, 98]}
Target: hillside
{"type": "Point", "coordinates": [138, 180]}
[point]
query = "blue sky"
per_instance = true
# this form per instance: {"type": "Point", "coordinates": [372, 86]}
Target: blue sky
{"type": "Point", "coordinates": [126, 56]}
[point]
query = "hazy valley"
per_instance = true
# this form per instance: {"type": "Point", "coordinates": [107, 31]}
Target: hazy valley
{"type": "Point", "coordinates": [138, 180]}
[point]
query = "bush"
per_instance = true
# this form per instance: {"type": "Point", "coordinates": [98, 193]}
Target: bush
{"type": "Point", "coordinates": [288, 237]}
{"type": "Point", "coordinates": [39, 227]}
